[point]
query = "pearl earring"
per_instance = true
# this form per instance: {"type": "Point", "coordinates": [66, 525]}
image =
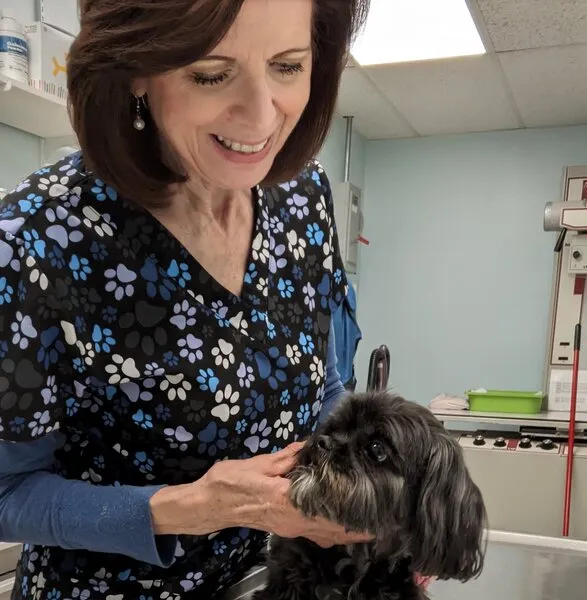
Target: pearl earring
{"type": "Point", "coordinates": [139, 122]}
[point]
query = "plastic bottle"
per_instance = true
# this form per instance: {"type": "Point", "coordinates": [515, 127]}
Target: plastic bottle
{"type": "Point", "coordinates": [14, 48]}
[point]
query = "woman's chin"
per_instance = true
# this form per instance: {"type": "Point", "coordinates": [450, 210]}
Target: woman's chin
{"type": "Point", "coordinates": [238, 177]}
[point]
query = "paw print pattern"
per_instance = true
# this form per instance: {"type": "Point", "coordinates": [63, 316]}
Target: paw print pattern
{"type": "Point", "coordinates": [6, 291]}
{"type": "Point", "coordinates": [212, 439]}
{"type": "Point", "coordinates": [298, 206]}
{"type": "Point", "coordinates": [245, 375]}
{"type": "Point", "coordinates": [178, 437]}
{"type": "Point", "coordinates": [120, 281]}
{"type": "Point", "coordinates": [111, 326]}
{"type": "Point", "coordinates": [102, 191]}
{"type": "Point", "coordinates": [184, 315]}
{"type": "Point", "coordinates": [121, 370]}
{"type": "Point", "coordinates": [80, 267]}
{"type": "Point", "coordinates": [223, 354]}
{"type": "Point", "coordinates": [176, 387]}
{"type": "Point", "coordinates": [192, 580]}
{"type": "Point", "coordinates": [259, 436]}
{"type": "Point", "coordinates": [100, 223]}
{"type": "Point", "coordinates": [227, 404]}
{"type": "Point", "coordinates": [284, 425]}
{"type": "Point", "coordinates": [23, 330]}
{"type": "Point", "coordinates": [190, 348]}
{"type": "Point", "coordinates": [317, 370]}
{"type": "Point", "coordinates": [40, 424]}
{"type": "Point", "coordinates": [303, 414]}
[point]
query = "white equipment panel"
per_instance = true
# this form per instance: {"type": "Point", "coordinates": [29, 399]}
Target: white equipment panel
{"type": "Point", "coordinates": [523, 483]}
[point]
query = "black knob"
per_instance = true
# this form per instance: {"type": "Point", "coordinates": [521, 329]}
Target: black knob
{"type": "Point", "coordinates": [547, 444]}
{"type": "Point", "coordinates": [499, 442]}
{"type": "Point", "coordinates": [525, 443]}
{"type": "Point", "coordinates": [576, 254]}
{"type": "Point", "coordinates": [479, 440]}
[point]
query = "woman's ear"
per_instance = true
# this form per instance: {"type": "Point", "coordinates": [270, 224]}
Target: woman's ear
{"type": "Point", "coordinates": [138, 87]}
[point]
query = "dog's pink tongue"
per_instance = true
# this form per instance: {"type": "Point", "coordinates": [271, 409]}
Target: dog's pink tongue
{"type": "Point", "coordinates": [423, 582]}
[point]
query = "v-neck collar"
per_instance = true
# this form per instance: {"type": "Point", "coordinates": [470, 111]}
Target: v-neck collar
{"type": "Point", "coordinates": [247, 312]}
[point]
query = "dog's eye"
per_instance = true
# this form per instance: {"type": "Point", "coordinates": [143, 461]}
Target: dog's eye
{"type": "Point", "coordinates": [377, 451]}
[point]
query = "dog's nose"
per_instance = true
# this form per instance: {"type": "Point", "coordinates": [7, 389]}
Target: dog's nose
{"type": "Point", "coordinates": [325, 442]}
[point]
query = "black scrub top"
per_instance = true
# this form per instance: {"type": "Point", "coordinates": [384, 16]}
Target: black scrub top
{"type": "Point", "coordinates": [112, 332]}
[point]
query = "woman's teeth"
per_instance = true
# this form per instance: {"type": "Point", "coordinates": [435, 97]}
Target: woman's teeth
{"type": "Point", "coordinates": [238, 147]}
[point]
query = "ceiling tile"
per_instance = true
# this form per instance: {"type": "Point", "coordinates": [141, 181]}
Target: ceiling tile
{"type": "Point", "coordinates": [448, 96]}
{"type": "Point", "coordinates": [549, 84]}
{"type": "Point", "coordinates": [522, 24]}
{"type": "Point", "coordinates": [373, 116]}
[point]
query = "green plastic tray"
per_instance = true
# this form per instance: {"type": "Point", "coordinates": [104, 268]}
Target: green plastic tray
{"type": "Point", "coordinates": [505, 401]}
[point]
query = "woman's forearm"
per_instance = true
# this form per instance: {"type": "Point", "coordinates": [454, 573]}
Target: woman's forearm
{"type": "Point", "coordinates": [44, 508]}
{"type": "Point", "coordinates": [39, 507]}
{"type": "Point", "coordinates": [172, 506]}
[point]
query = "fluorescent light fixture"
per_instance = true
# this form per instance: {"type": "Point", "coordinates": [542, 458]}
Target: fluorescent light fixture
{"type": "Point", "coordinates": [410, 30]}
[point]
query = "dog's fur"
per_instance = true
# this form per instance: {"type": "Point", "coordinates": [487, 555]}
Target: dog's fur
{"type": "Point", "coordinates": [386, 466]}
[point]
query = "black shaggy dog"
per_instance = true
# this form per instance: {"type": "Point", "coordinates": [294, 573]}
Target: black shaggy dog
{"type": "Point", "coordinates": [386, 466]}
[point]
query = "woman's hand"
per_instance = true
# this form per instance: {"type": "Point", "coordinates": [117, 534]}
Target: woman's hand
{"type": "Point", "coordinates": [260, 490]}
{"type": "Point", "coordinates": [246, 493]}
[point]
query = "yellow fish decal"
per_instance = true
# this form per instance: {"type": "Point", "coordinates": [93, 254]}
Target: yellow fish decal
{"type": "Point", "coordinates": [58, 68]}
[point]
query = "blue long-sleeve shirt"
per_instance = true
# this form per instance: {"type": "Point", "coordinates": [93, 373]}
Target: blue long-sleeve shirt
{"type": "Point", "coordinates": [41, 507]}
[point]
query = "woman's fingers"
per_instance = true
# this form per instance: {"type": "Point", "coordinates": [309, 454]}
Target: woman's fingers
{"type": "Point", "coordinates": [283, 461]}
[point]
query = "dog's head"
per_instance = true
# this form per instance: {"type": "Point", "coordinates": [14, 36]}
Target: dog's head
{"type": "Point", "coordinates": [387, 466]}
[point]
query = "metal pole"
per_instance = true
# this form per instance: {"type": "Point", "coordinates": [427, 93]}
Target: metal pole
{"type": "Point", "coordinates": [347, 149]}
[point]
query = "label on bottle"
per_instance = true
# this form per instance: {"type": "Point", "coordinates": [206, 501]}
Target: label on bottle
{"type": "Point", "coordinates": [14, 57]}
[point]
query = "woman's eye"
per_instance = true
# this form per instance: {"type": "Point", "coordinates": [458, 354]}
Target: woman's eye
{"type": "Point", "coordinates": [290, 68]}
{"type": "Point", "coordinates": [377, 451]}
{"type": "Point", "coordinates": [204, 79]}
{"type": "Point", "coordinates": [286, 69]}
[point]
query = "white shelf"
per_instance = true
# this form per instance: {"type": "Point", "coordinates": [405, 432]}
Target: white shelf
{"type": "Point", "coordinates": [32, 110]}
{"type": "Point", "coordinates": [560, 420]}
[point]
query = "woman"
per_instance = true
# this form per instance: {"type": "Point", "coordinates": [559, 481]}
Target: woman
{"type": "Point", "coordinates": [165, 299]}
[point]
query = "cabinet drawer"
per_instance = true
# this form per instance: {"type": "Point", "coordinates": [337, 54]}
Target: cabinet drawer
{"type": "Point", "coordinates": [6, 585]}
{"type": "Point", "coordinates": [9, 555]}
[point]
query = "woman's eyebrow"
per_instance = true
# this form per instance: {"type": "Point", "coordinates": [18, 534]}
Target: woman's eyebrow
{"type": "Point", "coordinates": [218, 57]}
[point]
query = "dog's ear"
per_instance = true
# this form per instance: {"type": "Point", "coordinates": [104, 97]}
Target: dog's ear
{"type": "Point", "coordinates": [450, 516]}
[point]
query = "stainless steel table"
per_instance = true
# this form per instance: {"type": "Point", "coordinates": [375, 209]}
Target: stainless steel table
{"type": "Point", "coordinates": [518, 567]}
{"type": "Point", "coordinates": [244, 589]}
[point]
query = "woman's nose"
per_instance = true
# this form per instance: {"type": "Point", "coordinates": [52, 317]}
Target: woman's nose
{"type": "Point", "coordinates": [258, 107]}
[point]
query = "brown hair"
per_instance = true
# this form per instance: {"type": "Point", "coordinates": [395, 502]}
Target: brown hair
{"type": "Point", "coordinates": [123, 40]}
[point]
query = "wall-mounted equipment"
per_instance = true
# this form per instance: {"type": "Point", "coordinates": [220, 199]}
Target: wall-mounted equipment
{"type": "Point", "coordinates": [348, 201]}
{"type": "Point", "coordinates": [569, 218]}
{"type": "Point", "coordinates": [347, 211]}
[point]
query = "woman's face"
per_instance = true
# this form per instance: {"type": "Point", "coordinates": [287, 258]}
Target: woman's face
{"type": "Point", "coordinates": [228, 115]}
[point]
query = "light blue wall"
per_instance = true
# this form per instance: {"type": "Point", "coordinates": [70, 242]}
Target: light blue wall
{"type": "Point", "coordinates": [457, 278]}
{"type": "Point", "coordinates": [19, 155]}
